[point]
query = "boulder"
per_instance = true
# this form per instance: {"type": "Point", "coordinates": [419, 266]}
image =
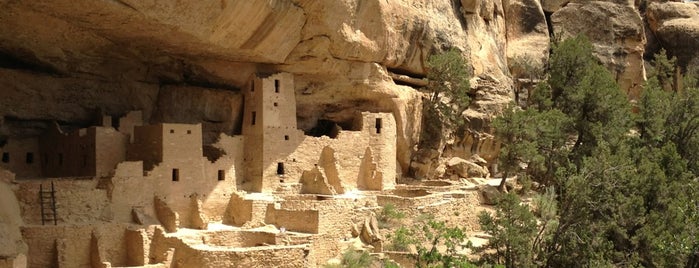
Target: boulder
{"type": "Point", "coordinates": [676, 26]}
{"type": "Point", "coordinates": [489, 194]}
{"type": "Point", "coordinates": [465, 168]}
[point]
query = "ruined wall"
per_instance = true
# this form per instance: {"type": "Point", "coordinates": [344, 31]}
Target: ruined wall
{"type": "Point", "coordinates": [223, 175]}
{"type": "Point", "coordinates": [239, 210]}
{"type": "Point", "coordinates": [68, 154]}
{"type": "Point", "coordinates": [335, 219]}
{"type": "Point", "coordinates": [87, 152]}
{"type": "Point", "coordinates": [304, 221]}
{"type": "Point", "coordinates": [349, 150]}
{"type": "Point", "coordinates": [22, 157]}
{"type": "Point", "coordinates": [128, 122]}
{"type": "Point", "coordinates": [147, 145]}
{"type": "Point", "coordinates": [110, 150]}
{"type": "Point", "coordinates": [71, 246]}
{"type": "Point", "coordinates": [240, 239]}
{"type": "Point", "coordinates": [260, 257]}
{"type": "Point", "coordinates": [130, 190]}
{"type": "Point", "coordinates": [79, 201]}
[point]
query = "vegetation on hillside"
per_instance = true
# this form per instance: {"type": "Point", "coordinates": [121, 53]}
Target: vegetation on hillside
{"type": "Point", "coordinates": [618, 185]}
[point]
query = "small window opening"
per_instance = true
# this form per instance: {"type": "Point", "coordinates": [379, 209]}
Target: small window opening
{"type": "Point", "coordinates": [221, 175]}
{"type": "Point", "coordinates": [30, 158]}
{"type": "Point", "coordinates": [189, 132]}
{"type": "Point", "coordinates": [276, 85]}
{"type": "Point", "coordinates": [60, 159]}
{"type": "Point", "coordinates": [378, 125]}
{"type": "Point", "coordinates": [280, 169]}
{"type": "Point", "coordinates": [286, 137]}
{"type": "Point", "coordinates": [172, 131]}
{"type": "Point", "coordinates": [6, 157]}
{"type": "Point", "coordinates": [175, 174]}
{"type": "Point", "coordinates": [276, 104]}
{"type": "Point", "coordinates": [254, 118]}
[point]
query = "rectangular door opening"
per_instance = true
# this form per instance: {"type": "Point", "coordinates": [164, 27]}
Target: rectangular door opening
{"type": "Point", "coordinates": [378, 125]}
{"type": "Point", "coordinates": [221, 175]}
{"type": "Point", "coordinates": [175, 174]}
{"type": "Point", "coordinates": [280, 169]}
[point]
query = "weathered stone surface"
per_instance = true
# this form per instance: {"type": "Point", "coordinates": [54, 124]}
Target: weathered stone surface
{"type": "Point", "coordinates": [465, 168]}
{"type": "Point", "coordinates": [199, 220]}
{"type": "Point", "coordinates": [219, 111]}
{"type": "Point", "coordinates": [140, 217]}
{"type": "Point", "coordinates": [616, 31]}
{"type": "Point", "coordinates": [489, 194]}
{"type": "Point", "coordinates": [527, 33]}
{"type": "Point", "coordinates": [167, 217]}
{"type": "Point", "coordinates": [11, 244]}
{"type": "Point", "coordinates": [676, 25]}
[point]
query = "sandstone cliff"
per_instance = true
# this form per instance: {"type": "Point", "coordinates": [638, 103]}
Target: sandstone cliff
{"type": "Point", "coordinates": [185, 61]}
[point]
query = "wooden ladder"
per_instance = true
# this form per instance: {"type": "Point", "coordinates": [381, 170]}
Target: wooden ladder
{"type": "Point", "coordinates": [48, 205]}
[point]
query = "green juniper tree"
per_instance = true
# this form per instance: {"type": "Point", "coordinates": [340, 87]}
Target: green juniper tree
{"type": "Point", "coordinates": [448, 87]}
{"type": "Point", "coordinates": [621, 199]}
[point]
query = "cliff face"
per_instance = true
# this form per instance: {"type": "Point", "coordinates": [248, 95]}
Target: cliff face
{"type": "Point", "coordinates": [185, 61]}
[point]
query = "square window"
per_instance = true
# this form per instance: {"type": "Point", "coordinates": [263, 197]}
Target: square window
{"type": "Point", "coordinates": [286, 137]}
{"type": "Point", "coordinates": [189, 132]}
{"type": "Point", "coordinates": [276, 104]}
{"type": "Point", "coordinates": [172, 131]}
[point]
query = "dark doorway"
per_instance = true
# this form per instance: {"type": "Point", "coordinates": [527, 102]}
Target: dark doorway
{"type": "Point", "coordinates": [221, 175]}
{"type": "Point", "coordinates": [280, 168]}
{"type": "Point", "coordinates": [5, 157]}
{"type": "Point", "coordinates": [324, 128]}
{"type": "Point", "coordinates": [175, 174]}
{"type": "Point", "coordinates": [276, 85]}
{"type": "Point", "coordinates": [378, 125]}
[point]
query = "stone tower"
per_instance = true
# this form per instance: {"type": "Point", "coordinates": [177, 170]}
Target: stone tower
{"type": "Point", "coordinates": [270, 130]}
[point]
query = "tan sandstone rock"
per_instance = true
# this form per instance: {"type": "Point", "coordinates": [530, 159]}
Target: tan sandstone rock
{"type": "Point", "coordinates": [676, 25]}
{"type": "Point", "coordinates": [616, 31]}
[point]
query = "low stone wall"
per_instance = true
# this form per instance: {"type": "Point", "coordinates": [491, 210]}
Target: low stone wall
{"type": "Point", "coordinates": [215, 249]}
{"type": "Point", "coordinates": [262, 257]}
{"type": "Point", "coordinates": [72, 246]}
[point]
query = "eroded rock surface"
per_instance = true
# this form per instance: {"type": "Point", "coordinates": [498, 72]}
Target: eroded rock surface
{"type": "Point", "coordinates": [616, 31]}
{"type": "Point", "coordinates": [676, 25]}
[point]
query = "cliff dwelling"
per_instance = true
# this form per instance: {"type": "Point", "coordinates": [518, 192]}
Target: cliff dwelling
{"type": "Point", "coordinates": [128, 193]}
{"type": "Point", "coordinates": [302, 133]}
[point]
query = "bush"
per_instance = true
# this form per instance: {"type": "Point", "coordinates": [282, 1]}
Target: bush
{"type": "Point", "coordinates": [388, 214]}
